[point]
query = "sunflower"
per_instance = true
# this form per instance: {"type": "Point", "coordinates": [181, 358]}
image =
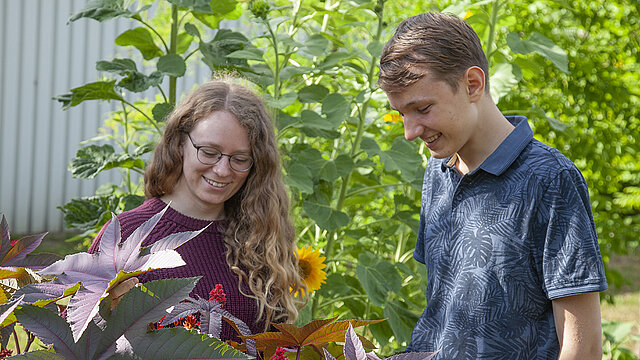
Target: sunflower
{"type": "Point", "coordinates": [310, 265]}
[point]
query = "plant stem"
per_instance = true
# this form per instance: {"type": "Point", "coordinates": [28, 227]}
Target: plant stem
{"type": "Point", "coordinates": [495, 6]}
{"type": "Point", "coordinates": [162, 92]}
{"type": "Point", "coordinates": [298, 353]}
{"type": "Point", "coordinates": [153, 122]}
{"type": "Point", "coordinates": [15, 338]}
{"type": "Point", "coordinates": [166, 49]}
{"type": "Point", "coordinates": [30, 341]}
{"type": "Point", "coordinates": [276, 70]}
{"type": "Point", "coordinates": [173, 50]}
{"type": "Point", "coordinates": [367, 188]}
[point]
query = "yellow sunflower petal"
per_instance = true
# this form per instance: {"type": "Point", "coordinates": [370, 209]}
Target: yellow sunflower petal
{"type": "Point", "coordinates": [311, 265]}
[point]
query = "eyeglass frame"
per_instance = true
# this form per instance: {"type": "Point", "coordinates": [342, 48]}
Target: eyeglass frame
{"type": "Point", "coordinates": [198, 147]}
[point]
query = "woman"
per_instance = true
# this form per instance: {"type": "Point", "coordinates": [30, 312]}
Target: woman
{"type": "Point", "coordinates": [218, 163]}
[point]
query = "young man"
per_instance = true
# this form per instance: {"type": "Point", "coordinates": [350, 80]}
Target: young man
{"type": "Point", "coordinates": [506, 230]}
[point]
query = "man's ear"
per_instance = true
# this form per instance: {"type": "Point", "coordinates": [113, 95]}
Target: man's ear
{"type": "Point", "coordinates": [475, 83]}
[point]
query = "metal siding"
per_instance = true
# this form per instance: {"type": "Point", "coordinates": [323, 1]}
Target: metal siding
{"type": "Point", "coordinates": [41, 57]}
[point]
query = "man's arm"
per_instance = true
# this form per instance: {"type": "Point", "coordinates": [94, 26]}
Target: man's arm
{"type": "Point", "coordinates": [578, 326]}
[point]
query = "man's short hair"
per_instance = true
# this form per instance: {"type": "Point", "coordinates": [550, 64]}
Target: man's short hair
{"type": "Point", "coordinates": [437, 43]}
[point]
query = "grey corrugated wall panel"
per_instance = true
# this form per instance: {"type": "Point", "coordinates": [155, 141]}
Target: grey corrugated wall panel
{"type": "Point", "coordinates": [42, 57]}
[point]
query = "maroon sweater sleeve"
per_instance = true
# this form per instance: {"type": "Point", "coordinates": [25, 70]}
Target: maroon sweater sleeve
{"type": "Point", "coordinates": [204, 255]}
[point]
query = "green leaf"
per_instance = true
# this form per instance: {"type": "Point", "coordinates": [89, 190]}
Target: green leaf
{"type": "Point", "coordinates": [402, 156]}
{"type": "Point", "coordinates": [375, 48]}
{"type": "Point", "coordinates": [91, 160]}
{"type": "Point", "coordinates": [160, 111]}
{"type": "Point", "coordinates": [344, 165]}
{"type": "Point", "coordinates": [316, 45]}
{"type": "Point", "coordinates": [119, 66]}
{"type": "Point", "coordinates": [313, 124]}
{"type": "Point", "coordinates": [222, 7]}
{"type": "Point", "coordinates": [184, 42]}
{"type": "Point", "coordinates": [247, 54]}
{"type": "Point", "coordinates": [300, 177]}
{"type": "Point", "coordinates": [102, 10]}
{"type": "Point", "coordinates": [192, 30]}
{"type": "Point", "coordinates": [180, 343]}
{"type": "Point", "coordinates": [336, 107]}
{"type": "Point", "coordinates": [139, 82]}
{"type": "Point", "coordinates": [141, 39]}
{"type": "Point", "coordinates": [312, 94]}
{"type": "Point", "coordinates": [172, 65]}
{"type": "Point", "coordinates": [402, 320]}
{"type": "Point", "coordinates": [378, 278]}
{"type": "Point", "coordinates": [100, 90]}
{"type": "Point", "coordinates": [195, 5]}
{"type": "Point", "coordinates": [325, 216]}
{"type": "Point", "coordinates": [89, 213]}
{"type": "Point", "coordinates": [541, 45]}
{"type": "Point", "coordinates": [321, 167]}
{"type": "Point", "coordinates": [282, 102]}
{"type": "Point", "coordinates": [225, 42]}
{"type": "Point", "coordinates": [139, 307]}
{"type": "Point", "coordinates": [502, 81]}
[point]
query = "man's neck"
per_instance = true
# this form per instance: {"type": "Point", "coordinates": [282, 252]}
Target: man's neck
{"type": "Point", "coordinates": [492, 130]}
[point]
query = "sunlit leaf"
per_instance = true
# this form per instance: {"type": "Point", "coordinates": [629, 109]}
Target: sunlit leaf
{"type": "Point", "coordinates": [172, 65]}
{"type": "Point", "coordinates": [142, 39]}
{"type": "Point", "coordinates": [539, 44]}
{"type": "Point", "coordinates": [93, 159]}
{"type": "Point", "coordinates": [99, 90]}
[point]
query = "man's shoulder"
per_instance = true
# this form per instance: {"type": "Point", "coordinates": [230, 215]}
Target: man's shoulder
{"type": "Point", "coordinates": [544, 162]}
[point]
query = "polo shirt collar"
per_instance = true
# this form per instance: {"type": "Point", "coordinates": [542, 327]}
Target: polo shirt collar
{"type": "Point", "coordinates": [507, 151]}
{"type": "Point", "coordinates": [510, 148]}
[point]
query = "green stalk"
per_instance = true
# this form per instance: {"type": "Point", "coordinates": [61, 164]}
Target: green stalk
{"type": "Point", "coordinates": [495, 7]}
{"type": "Point", "coordinates": [155, 32]}
{"type": "Point", "coordinates": [276, 70]}
{"type": "Point", "coordinates": [173, 46]}
{"type": "Point", "coordinates": [127, 140]}
{"type": "Point", "coordinates": [359, 134]}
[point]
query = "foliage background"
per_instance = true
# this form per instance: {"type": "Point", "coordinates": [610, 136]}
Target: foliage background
{"type": "Point", "coordinates": [355, 182]}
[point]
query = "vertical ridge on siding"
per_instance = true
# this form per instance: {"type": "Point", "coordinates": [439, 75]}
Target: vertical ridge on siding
{"type": "Point", "coordinates": [50, 208]}
{"type": "Point", "coordinates": [3, 61]}
{"type": "Point", "coordinates": [19, 84]}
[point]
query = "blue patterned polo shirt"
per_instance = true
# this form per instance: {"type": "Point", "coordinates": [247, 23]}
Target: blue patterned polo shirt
{"type": "Point", "coordinates": [499, 244]}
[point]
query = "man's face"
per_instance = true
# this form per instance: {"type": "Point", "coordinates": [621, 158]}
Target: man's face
{"type": "Point", "coordinates": [445, 120]}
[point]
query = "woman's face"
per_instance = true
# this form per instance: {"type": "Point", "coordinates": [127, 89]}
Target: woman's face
{"type": "Point", "coordinates": [203, 189]}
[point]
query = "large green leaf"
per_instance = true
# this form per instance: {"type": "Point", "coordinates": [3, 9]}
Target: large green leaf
{"type": "Point", "coordinates": [51, 328]}
{"type": "Point", "coordinates": [502, 81]}
{"type": "Point", "coordinates": [142, 39]}
{"type": "Point", "coordinates": [91, 160]}
{"type": "Point", "coordinates": [300, 176]}
{"type": "Point", "coordinates": [172, 65]}
{"type": "Point", "coordinates": [139, 307]}
{"type": "Point", "coordinates": [225, 42]}
{"type": "Point", "coordinates": [99, 90]}
{"type": "Point", "coordinates": [377, 277]}
{"type": "Point", "coordinates": [133, 79]}
{"type": "Point", "coordinates": [539, 44]}
{"type": "Point", "coordinates": [89, 212]}
{"type": "Point", "coordinates": [402, 156]}
{"type": "Point", "coordinates": [402, 320]}
{"type": "Point", "coordinates": [314, 124]}
{"type": "Point", "coordinates": [180, 343]}
{"type": "Point", "coordinates": [324, 215]}
{"type": "Point", "coordinates": [316, 45]}
{"type": "Point", "coordinates": [102, 10]}
{"type": "Point", "coordinates": [336, 107]}
{"type": "Point", "coordinates": [312, 93]}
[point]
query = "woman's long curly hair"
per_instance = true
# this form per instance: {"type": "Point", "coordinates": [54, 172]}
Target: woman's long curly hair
{"type": "Point", "coordinates": [260, 238]}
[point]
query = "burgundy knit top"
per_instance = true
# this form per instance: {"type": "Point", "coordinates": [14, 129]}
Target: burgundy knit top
{"type": "Point", "coordinates": [204, 255]}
